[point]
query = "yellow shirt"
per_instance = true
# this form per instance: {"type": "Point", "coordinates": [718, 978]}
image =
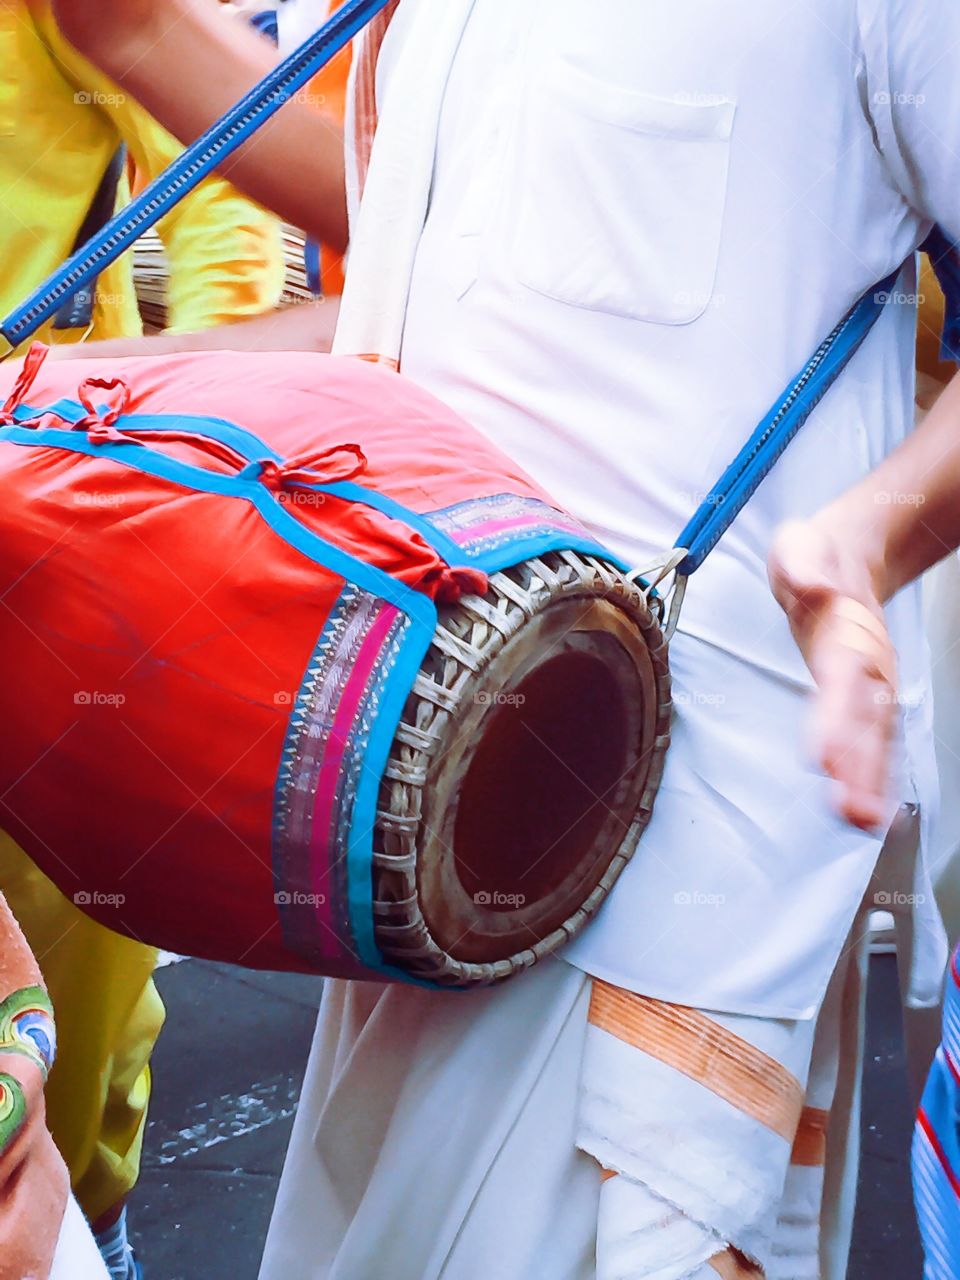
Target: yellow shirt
{"type": "Point", "coordinates": [61, 122]}
{"type": "Point", "coordinates": [930, 324]}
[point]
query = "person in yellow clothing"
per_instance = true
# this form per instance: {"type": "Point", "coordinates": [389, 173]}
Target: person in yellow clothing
{"type": "Point", "coordinates": [62, 127]}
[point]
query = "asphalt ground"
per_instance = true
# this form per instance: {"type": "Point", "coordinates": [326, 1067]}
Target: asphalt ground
{"type": "Point", "coordinates": [227, 1073]}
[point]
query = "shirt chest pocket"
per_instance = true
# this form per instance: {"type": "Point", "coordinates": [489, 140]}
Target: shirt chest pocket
{"type": "Point", "coordinates": [622, 197]}
{"type": "Point", "coordinates": [9, 73]}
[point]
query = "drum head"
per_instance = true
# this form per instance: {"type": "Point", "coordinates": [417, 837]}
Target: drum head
{"type": "Point", "coordinates": [524, 772]}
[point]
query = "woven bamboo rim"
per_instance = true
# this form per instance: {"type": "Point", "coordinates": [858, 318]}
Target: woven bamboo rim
{"type": "Point", "coordinates": [468, 640]}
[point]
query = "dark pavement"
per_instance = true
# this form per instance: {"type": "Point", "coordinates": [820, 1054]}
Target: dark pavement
{"type": "Point", "coordinates": [227, 1074]}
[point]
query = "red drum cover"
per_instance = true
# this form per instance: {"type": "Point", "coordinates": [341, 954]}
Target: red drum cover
{"type": "Point", "coordinates": [220, 575]}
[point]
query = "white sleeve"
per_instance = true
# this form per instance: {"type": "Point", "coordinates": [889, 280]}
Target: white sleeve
{"type": "Point", "coordinates": [911, 51]}
{"type": "Point", "coordinates": [298, 19]}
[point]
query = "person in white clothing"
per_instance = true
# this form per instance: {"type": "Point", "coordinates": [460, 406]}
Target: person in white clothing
{"type": "Point", "coordinates": [609, 237]}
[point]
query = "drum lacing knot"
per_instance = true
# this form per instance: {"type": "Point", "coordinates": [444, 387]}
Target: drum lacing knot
{"type": "Point", "coordinates": [453, 584]}
{"type": "Point", "coordinates": [313, 469]}
{"type": "Point", "coordinates": [25, 380]}
{"type": "Point", "coordinates": [98, 422]}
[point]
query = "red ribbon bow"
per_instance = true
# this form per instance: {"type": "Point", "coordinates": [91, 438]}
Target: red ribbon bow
{"type": "Point", "coordinates": [26, 378]}
{"type": "Point", "coordinates": [98, 424]}
{"type": "Point", "coordinates": [312, 469]}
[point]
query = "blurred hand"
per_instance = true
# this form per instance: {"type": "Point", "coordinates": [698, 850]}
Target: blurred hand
{"type": "Point", "coordinates": [824, 586]}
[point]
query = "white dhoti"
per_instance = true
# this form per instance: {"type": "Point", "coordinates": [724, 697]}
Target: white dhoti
{"type": "Point", "coordinates": [561, 1129]}
{"type": "Point", "coordinates": [77, 1256]}
{"type": "Point", "coordinates": [423, 1114]}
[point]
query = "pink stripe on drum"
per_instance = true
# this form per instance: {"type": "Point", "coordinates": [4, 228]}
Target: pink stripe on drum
{"type": "Point", "coordinates": [483, 525]}
{"type": "Point", "coordinates": [493, 527]}
{"type": "Point", "coordinates": [327, 943]}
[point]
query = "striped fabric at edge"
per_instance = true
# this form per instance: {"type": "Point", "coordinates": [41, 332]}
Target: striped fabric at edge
{"type": "Point", "coordinates": [936, 1147]}
{"type": "Point", "coordinates": [365, 88]}
{"type": "Point", "coordinates": [810, 1143]}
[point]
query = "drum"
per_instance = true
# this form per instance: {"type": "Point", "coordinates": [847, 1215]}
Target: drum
{"type": "Point", "coordinates": [303, 673]}
{"type": "Point", "coordinates": [151, 276]}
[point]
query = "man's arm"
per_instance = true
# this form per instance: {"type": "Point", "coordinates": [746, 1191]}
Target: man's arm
{"type": "Point", "coordinates": [307, 327]}
{"type": "Point", "coordinates": [833, 574]}
{"type": "Point", "coordinates": [224, 252]}
{"type": "Point", "coordinates": [187, 65]}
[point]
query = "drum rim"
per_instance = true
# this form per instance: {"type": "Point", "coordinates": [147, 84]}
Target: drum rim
{"type": "Point", "coordinates": [402, 933]}
{"type": "Point", "coordinates": [568, 626]}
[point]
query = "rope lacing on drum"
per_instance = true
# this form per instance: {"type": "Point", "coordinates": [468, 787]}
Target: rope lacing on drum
{"type": "Point", "coordinates": [98, 421]}
{"type": "Point", "coordinates": [446, 584]}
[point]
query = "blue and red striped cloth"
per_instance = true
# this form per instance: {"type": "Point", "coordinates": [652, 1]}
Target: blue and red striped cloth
{"type": "Point", "coordinates": [936, 1146]}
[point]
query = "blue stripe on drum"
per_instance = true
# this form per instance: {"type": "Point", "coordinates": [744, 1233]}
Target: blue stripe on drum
{"type": "Point", "coordinates": [331, 724]}
{"type": "Point", "coordinates": [453, 532]}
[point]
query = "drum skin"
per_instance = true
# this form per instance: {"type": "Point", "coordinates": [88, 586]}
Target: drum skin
{"type": "Point", "coordinates": [221, 574]}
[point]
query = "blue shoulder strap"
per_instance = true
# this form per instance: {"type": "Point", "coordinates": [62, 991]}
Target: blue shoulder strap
{"type": "Point", "coordinates": [77, 312]}
{"type": "Point", "coordinates": [789, 412]}
{"type": "Point", "coordinates": [188, 170]}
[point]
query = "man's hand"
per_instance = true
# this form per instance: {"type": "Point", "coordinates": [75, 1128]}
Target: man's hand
{"type": "Point", "coordinates": [833, 574]}
{"type": "Point", "coordinates": [836, 617]}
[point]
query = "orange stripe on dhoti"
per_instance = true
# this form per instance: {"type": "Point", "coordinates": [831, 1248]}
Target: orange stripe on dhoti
{"type": "Point", "coordinates": [733, 1266]}
{"type": "Point", "coordinates": [810, 1143]}
{"type": "Point", "coordinates": [701, 1049]}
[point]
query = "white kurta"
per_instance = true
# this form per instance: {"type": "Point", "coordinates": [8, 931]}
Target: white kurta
{"type": "Point", "coordinates": [644, 217]}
